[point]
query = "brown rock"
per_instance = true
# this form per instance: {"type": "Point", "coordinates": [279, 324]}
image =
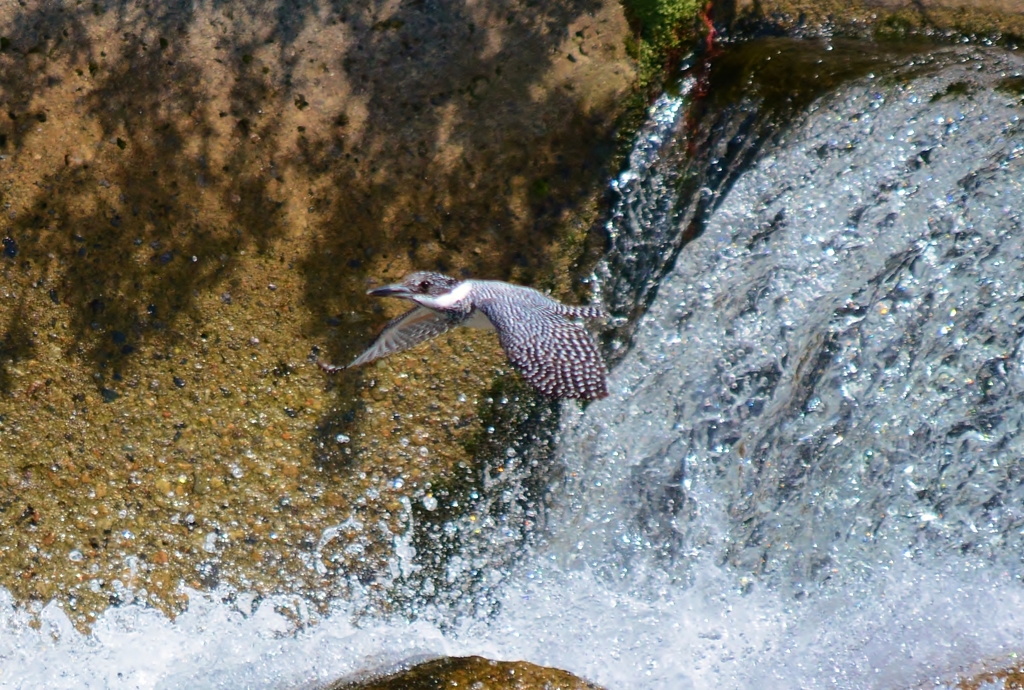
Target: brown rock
{"type": "Point", "coordinates": [890, 18]}
{"type": "Point", "coordinates": [473, 672]}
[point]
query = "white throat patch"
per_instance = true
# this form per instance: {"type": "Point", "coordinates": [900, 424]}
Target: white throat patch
{"type": "Point", "coordinates": [455, 296]}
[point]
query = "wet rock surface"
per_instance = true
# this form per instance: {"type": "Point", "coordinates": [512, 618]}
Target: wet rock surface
{"type": "Point", "coordinates": [474, 672]}
{"type": "Point", "coordinates": [998, 21]}
{"type": "Point", "coordinates": [195, 200]}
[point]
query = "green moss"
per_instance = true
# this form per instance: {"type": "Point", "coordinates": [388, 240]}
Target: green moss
{"type": "Point", "coordinates": [1012, 85]}
{"type": "Point", "coordinates": [388, 25]}
{"type": "Point", "coordinates": [957, 88]}
{"type": "Point", "coordinates": [663, 31]}
{"type": "Point", "coordinates": [896, 26]}
{"type": "Point", "coordinates": [658, 21]}
{"type": "Point", "coordinates": [540, 189]}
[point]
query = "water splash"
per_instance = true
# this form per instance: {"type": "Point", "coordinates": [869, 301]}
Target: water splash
{"type": "Point", "coordinates": [824, 400]}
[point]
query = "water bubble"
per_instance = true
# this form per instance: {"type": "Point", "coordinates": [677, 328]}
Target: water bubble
{"type": "Point", "coordinates": [342, 438]}
{"type": "Point", "coordinates": [76, 556]}
{"type": "Point", "coordinates": [430, 503]}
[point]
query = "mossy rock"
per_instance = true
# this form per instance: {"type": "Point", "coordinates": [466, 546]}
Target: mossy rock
{"type": "Point", "coordinates": [474, 672]}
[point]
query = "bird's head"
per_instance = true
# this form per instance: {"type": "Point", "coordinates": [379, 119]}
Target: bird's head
{"type": "Point", "coordinates": [423, 287]}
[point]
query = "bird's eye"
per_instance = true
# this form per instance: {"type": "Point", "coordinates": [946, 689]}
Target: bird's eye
{"type": "Point", "coordinates": [424, 285]}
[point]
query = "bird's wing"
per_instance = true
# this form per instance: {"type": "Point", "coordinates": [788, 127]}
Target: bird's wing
{"type": "Point", "coordinates": [411, 328]}
{"type": "Point", "coordinates": [557, 356]}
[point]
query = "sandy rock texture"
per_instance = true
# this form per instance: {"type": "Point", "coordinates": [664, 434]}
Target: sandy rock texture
{"type": "Point", "coordinates": [195, 198]}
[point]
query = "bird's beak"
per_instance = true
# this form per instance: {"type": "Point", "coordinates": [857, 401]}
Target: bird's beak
{"type": "Point", "coordinates": [389, 291]}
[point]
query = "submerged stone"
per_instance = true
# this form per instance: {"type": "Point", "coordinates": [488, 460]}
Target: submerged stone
{"type": "Point", "coordinates": [473, 672]}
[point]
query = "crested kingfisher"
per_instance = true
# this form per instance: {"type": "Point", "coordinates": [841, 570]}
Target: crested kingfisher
{"type": "Point", "coordinates": [554, 354]}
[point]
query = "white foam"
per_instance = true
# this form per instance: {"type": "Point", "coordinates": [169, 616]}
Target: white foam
{"type": "Point", "coordinates": [908, 627]}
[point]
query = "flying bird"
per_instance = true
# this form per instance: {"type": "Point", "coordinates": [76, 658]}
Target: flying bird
{"type": "Point", "coordinates": [556, 355]}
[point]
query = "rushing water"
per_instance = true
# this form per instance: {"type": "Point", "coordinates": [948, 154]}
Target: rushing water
{"type": "Point", "coordinates": [823, 405]}
{"type": "Point", "coordinates": [808, 473]}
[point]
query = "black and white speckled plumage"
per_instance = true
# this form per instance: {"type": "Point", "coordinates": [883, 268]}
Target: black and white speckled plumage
{"type": "Point", "coordinates": [415, 326]}
{"type": "Point", "coordinates": [557, 356]}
